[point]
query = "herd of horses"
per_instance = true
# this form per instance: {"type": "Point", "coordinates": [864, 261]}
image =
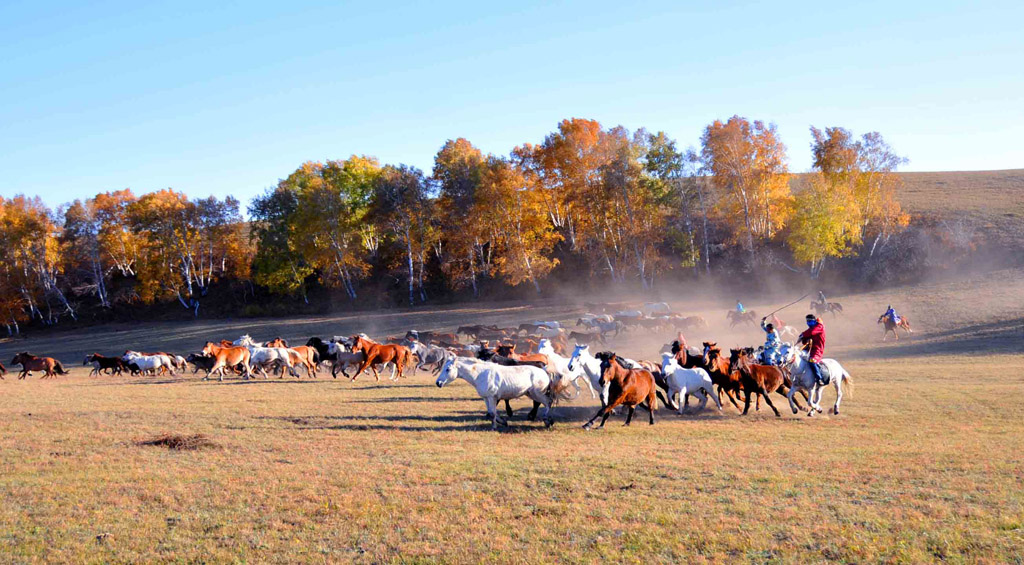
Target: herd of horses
{"type": "Point", "coordinates": [540, 360]}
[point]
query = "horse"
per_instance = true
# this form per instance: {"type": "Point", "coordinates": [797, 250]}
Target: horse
{"type": "Point", "coordinates": [200, 361]}
{"type": "Point", "coordinates": [890, 326]}
{"type": "Point", "coordinates": [825, 307]}
{"type": "Point", "coordinates": [510, 352]}
{"type": "Point", "coordinates": [721, 372]}
{"type": "Point", "coordinates": [227, 357]}
{"type": "Point", "coordinates": [652, 308]}
{"type": "Point", "coordinates": [431, 356]}
{"type": "Point", "coordinates": [803, 379]}
{"type": "Point", "coordinates": [687, 322]}
{"type": "Point", "coordinates": [581, 359]}
{"type": "Point", "coordinates": [493, 357]}
{"type": "Point", "coordinates": [48, 365]}
{"type": "Point", "coordinates": [587, 338]}
{"type": "Point", "coordinates": [379, 353]}
{"type": "Point", "coordinates": [261, 357]}
{"type": "Point", "coordinates": [629, 387]}
{"type": "Point", "coordinates": [736, 318]}
{"type": "Point", "coordinates": [276, 342]}
{"type": "Point", "coordinates": [159, 363]}
{"type": "Point", "coordinates": [102, 363]}
{"type": "Point", "coordinates": [761, 380]}
{"type": "Point", "coordinates": [498, 382]}
{"type": "Point", "coordinates": [683, 382]}
{"type": "Point", "coordinates": [3, 371]}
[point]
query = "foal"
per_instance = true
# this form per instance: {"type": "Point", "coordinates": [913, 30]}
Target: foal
{"type": "Point", "coordinates": [629, 387]}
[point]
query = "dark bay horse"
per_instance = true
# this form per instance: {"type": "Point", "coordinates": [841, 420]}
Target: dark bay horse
{"type": "Point", "coordinates": [761, 380]}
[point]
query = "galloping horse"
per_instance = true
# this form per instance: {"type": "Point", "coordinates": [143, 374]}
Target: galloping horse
{"type": "Point", "coordinates": [378, 353]}
{"type": "Point", "coordinates": [890, 326]}
{"type": "Point", "coordinates": [721, 372]}
{"type": "Point", "coordinates": [735, 318]}
{"type": "Point", "coordinates": [825, 307]}
{"type": "Point", "coordinates": [630, 387]}
{"type": "Point", "coordinates": [50, 366]}
{"type": "Point", "coordinates": [761, 380]}
{"type": "Point", "coordinates": [803, 380]}
{"type": "Point", "coordinates": [497, 382]}
{"type": "Point", "coordinates": [225, 357]}
{"type": "Point", "coordinates": [102, 363]}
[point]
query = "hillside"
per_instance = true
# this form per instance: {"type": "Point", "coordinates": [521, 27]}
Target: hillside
{"type": "Point", "coordinates": [991, 202]}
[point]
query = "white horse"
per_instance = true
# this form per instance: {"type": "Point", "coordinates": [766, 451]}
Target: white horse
{"type": "Point", "coordinates": [261, 357]}
{"type": "Point", "coordinates": [652, 308]}
{"type": "Point", "coordinates": [687, 381]}
{"type": "Point", "coordinates": [803, 379]}
{"type": "Point", "coordinates": [549, 333]}
{"type": "Point", "coordinates": [499, 382]}
{"type": "Point", "coordinates": [560, 365]}
{"type": "Point", "coordinates": [551, 325]}
{"type": "Point", "coordinates": [149, 362]}
{"type": "Point", "coordinates": [591, 366]}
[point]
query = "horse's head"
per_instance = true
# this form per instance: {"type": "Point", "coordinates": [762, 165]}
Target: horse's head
{"type": "Point", "coordinates": [448, 372]}
{"type": "Point", "coordinates": [577, 351]}
{"type": "Point", "coordinates": [608, 360]}
{"type": "Point", "coordinates": [735, 355]}
{"type": "Point", "coordinates": [506, 350]}
{"type": "Point", "coordinates": [666, 360]}
{"type": "Point", "coordinates": [208, 349]}
{"type": "Point", "coordinates": [709, 348]}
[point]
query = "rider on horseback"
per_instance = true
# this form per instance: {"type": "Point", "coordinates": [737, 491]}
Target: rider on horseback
{"type": "Point", "coordinates": [815, 336]}
{"type": "Point", "coordinates": [739, 308]}
{"type": "Point", "coordinates": [771, 344]}
{"type": "Point", "coordinates": [890, 313]}
{"type": "Point", "coordinates": [822, 299]}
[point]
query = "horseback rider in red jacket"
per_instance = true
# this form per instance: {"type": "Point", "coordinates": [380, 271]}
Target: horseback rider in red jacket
{"type": "Point", "coordinates": [815, 336]}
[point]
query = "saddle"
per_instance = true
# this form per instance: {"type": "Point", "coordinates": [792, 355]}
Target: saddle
{"type": "Point", "coordinates": [826, 375]}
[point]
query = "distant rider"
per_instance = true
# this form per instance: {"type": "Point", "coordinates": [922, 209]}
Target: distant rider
{"type": "Point", "coordinates": [821, 298]}
{"type": "Point", "coordinates": [890, 313]}
{"type": "Point", "coordinates": [815, 336]}
{"type": "Point", "coordinates": [739, 308]}
{"type": "Point", "coordinates": [771, 344]}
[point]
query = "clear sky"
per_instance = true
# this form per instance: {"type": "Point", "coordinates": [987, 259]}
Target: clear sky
{"type": "Point", "coordinates": [228, 97]}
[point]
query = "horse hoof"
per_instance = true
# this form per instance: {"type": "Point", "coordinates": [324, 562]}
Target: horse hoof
{"type": "Point", "coordinates": [548, 423]}
{"type": "Point", "coordinates": [587, 427]}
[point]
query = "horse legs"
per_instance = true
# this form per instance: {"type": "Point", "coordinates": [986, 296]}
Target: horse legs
{"type": "Point", "coordinates": [768, 399]}
{"type": "Point", "coordinates": [492, 408]}
{"type": "Point", "coordinates": [792, 406]}
{"type": "Point", "coordinates": [728, 393]}
{"type": "Point", "coordinates": [682, 394]}
{"type": "Point", "coordinates": [703, 399]}
{"type": "Point", "coordinates": [508, 408]}
{"type": "Point", "coordinates": [746, 403]}
{"type": "Point", "coordinates": [629, 415]}
{"type": "Point", "coordinates": [533, 413]}
{"type": "Point", "coordinates": [839, 394]}
{"type": "Point", "coordinates": [604, 412]}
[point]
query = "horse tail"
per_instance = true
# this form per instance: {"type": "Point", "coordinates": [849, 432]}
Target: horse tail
{"type": "Point", "coordinates": [59, 368]}
{"type": "Point", "coordinates": [849, 382]}
{"type": "Point", "coordinates": [559, 389]}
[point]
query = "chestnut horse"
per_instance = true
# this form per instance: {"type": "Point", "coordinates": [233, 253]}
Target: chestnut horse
{"type": "Point", "coordinates": [761, 380]}
{"type": "Point", "coordinates": [890, 326]}
{"type": "Point", "coordinates": [630, 387]}
{"type": "Point", "coordinates": [225, 357]}
{"type": "Point", "coordinates": [50, 366]}
{"type": "Point", "coordinates": [380, 353]}
{"type": "Point", "coordinates": [720, 370]}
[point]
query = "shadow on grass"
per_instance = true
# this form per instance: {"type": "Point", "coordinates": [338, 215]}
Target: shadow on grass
{"type": "Point", "coordinates": [1004, 336]}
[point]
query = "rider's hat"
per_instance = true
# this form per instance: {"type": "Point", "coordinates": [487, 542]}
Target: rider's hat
{"type": "Point", "coordinates": [811, 317]}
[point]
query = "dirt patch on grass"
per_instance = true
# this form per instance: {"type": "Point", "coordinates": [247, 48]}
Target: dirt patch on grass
{"type": "Point", "coordinates": [181, 442]}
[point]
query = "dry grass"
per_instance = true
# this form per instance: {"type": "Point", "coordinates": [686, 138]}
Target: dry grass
{"type": "Point", "coordinates": [925, 464]}
{"type": "Point", "coordinates": [180, 442]}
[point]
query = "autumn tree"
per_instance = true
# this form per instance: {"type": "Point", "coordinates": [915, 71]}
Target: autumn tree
{"type": "Point", "coordinates": [30, 241]}
{"type": "Point", "coordinates": [330, 227]}
{"type": "Point", "coordinates": [518, 214]}
{"type": "Point", "coordinates": [277, 264]}
{"type": "Point", "coordinates": [401, 206]}
{"type": "Point", "coordinates": [81, 238]}
{"type": "Point", "coordinates": [458, 170]}
{"type": "Point", "coordinates": [747, 165]}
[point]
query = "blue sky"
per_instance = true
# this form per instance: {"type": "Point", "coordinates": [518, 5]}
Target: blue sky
{"type": "Point", "coordinates": [226, 98]}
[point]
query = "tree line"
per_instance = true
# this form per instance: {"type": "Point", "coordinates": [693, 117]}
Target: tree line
{"type": "Point", "coordinates": [600, 203]}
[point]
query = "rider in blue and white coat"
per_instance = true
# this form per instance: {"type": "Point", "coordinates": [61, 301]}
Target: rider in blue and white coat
{"type": "Point", "coordinates": [890, 313]}
{"type": "Point", "coordinates": [771, 344]}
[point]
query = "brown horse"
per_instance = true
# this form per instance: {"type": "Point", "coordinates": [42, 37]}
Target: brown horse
{"type": "Point", "coordinates": [735, 318]}
{"type": "Point", "coordinates": [825, 307]}
{"type": "Point", "coordinates": [308, 357]}
{"type": "Point", "coordinates": [761, 380]}
{"type": "Point", "coordinates": [722, 375]}
{"type": "Point", "coordinates": [101, 363]}
{"type": "Point", "coordinates": [509, 351]}
{"type": "Point", "coordinates": [50, 366]}
{"type": "Point", "coordinates": [630, 387]}
{"type": "Point", "coordinates": [587, 338]}
{"type": "Point", "coordinates": [380, 353]}
{"type": "Point", "coordinates": [276, 342]}
{"type": "Point", "coordinates": [890, 326]}
{"type": "Point", "coordinates": [687, 322]}
{"type": "Point", "coordinates": [227, 357]}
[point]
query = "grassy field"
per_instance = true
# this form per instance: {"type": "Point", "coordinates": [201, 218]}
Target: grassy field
{"type": "Point", "coordinates": [925, 464]}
